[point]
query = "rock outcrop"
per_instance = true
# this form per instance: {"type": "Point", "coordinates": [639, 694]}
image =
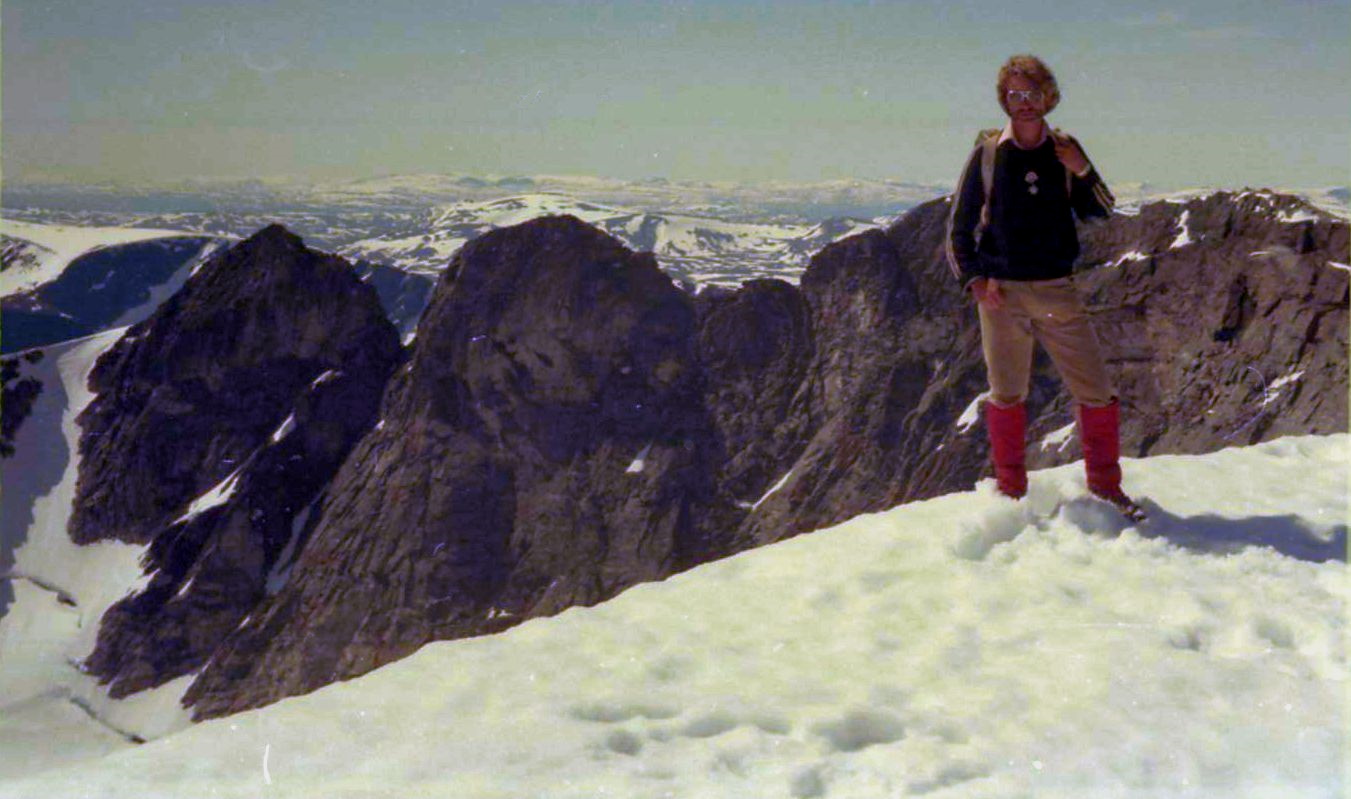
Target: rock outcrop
{"type": "Point", "coordinates": [545, 446]}
{"type": "Point", "coordinates": [19, 394]}
{"type": "Point", "coordinates": [1223, 319]}
{"type": "Point", "coordinates": [216, 422]}
{"type": "Point", "coordinates": [1226, 320]}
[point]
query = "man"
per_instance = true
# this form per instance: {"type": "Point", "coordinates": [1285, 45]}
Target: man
{"type": "Point", "coordinates": [1012, 243]}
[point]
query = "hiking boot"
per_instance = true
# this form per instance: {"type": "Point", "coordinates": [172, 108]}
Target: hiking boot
{"type": "Point", "coordinates": [1127, 506]}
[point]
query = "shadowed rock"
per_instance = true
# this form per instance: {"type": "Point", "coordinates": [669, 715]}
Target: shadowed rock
{"type": "Point", "coordinates": [546, 446]}
{"type": "Point", "coordinates": [216, 422]}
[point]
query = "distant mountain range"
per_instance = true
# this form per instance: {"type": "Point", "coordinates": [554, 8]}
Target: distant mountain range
{"type": "Point", "coordinates": [401, 231]}
{"type": "Point", "coordinates": [59, 282]}
{"type": "Point", "coordinates": [700, 250]}
{"type": "Point", "coordinates": [769, 201]}
{"type": "Point", "coordinates": [400, 250]}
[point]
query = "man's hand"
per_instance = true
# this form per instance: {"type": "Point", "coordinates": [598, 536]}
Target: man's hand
{"type": "Point", "coordinates": [986, 291]}
{"type": "Point", "coordinates": [1070, 155]}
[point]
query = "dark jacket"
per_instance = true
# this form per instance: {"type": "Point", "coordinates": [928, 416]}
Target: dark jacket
{"type": "Point", "coordinates": [1031, 233]}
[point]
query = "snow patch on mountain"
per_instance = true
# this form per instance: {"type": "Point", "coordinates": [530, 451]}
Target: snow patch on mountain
{"type": "Point", "coordinates": [1184, 236]}
{"type": "Point", "coordinates": [56, 246]}
{"type": "Point", "coordinates": [218, 495]}
{"type": "Point", "coordinates": [1133, 255]}
{"type": "Point", "coordinates": [1060, 438]}
{"type": "Point", "coordinates": [971, 414]}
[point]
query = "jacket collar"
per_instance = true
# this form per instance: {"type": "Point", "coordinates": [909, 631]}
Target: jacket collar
{"type": "Point", "coordinates": [1007, 135]}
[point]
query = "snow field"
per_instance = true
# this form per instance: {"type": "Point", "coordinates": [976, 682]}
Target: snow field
{"type": "Point", "coordinates": [101, 572]}
{"type": "Point", "coordinates": [965, 646]}
{"type": "Point", "coordinates": [43, 697]}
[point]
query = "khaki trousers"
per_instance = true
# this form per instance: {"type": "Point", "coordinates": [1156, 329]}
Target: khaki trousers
{"type": "Point", "coordinates": [1049, 311]}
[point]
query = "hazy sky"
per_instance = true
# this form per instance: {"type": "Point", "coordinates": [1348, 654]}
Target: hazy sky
{"type": "Point", "coordinates": [1223, 93]}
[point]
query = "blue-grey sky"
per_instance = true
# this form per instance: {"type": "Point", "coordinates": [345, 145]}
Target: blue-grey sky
{"type": "Point", "coordinates": [1219, 93]}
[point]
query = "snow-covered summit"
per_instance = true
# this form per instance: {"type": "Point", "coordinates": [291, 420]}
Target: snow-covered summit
{"type": "Point", "coordinates": [513, 210]}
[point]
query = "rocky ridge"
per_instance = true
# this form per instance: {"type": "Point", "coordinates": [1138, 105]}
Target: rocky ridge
{"type": "Point", "coordinates": [568, 423]}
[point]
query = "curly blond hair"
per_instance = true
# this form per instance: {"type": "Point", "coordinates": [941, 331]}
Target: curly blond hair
{"type": "Point", "coordinates": [1035, 70]}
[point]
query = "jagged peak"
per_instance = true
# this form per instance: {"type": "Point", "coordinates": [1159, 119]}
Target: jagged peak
{"type": "Point", "coordinates": [274, 236]}
{"type": "Point", "coordinates": [1284, 204]}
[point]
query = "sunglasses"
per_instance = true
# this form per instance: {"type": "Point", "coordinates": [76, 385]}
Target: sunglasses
{"type": "Point", "coordinates": [1026, 95]}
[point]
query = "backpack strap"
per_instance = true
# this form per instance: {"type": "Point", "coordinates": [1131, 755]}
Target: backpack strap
{"type": "Point", "coordinates": [989, 142]}
{"type": "Point", "coordinates": [1061, 136]}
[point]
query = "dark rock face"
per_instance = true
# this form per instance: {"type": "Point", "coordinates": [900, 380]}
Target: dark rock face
{"type": "Point", "coordinates": [865, 369]}
{"type": "Point", "coordinates": [754, 345]}
{"type": "Point", "coordinates": [569, 423]}
{"type": "Point", "coordinates": [216, 422]}
{"type": "Point", "coordinates": [866, 390]}
{"type": "Point", "coordinates": [19, 394]}
{"type": "Point", "coordinates": [185, 396]}
{"type": "Point", "coordinates": [546, 446]}
{"type": "Point", "coordinates": [1236, 337]}
{"type": "Point", "coordinates": [404, 295]}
